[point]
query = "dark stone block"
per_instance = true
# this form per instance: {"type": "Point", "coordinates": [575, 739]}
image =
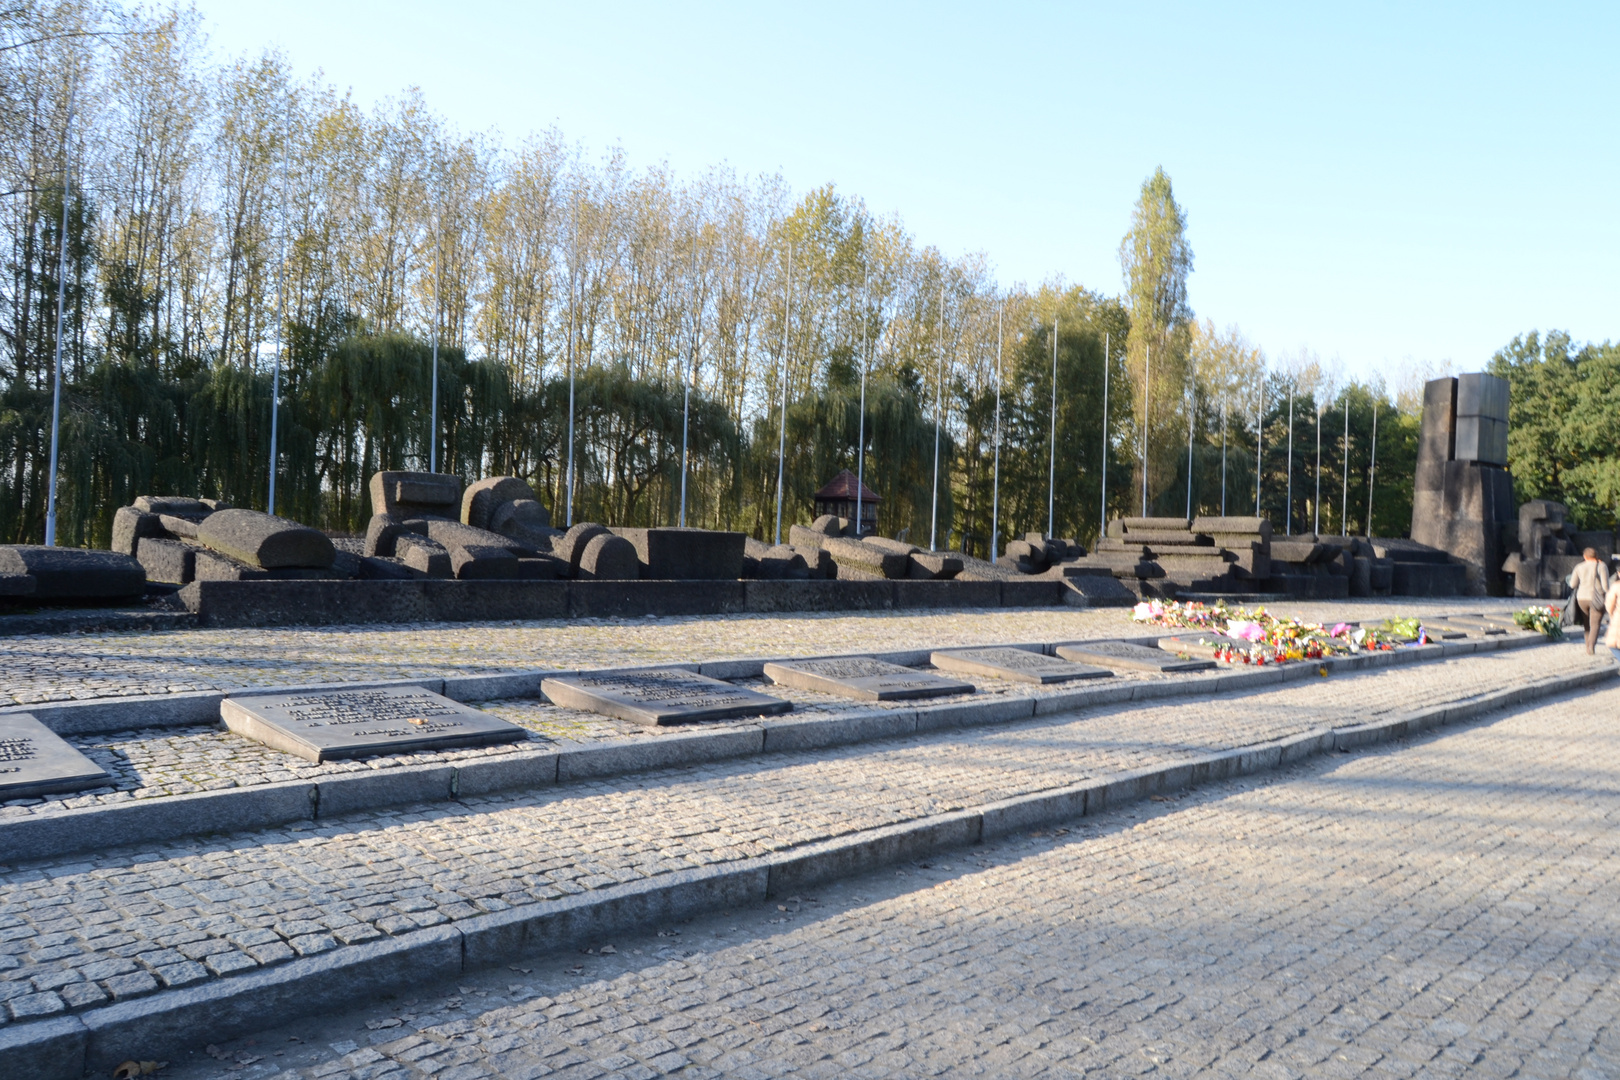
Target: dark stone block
{"type": "Point", "coordinates": [608, 598]}
{"type": "Point", "coordinates": [947, 594]}
{"type": "Point", "coordinates": [212, 566]}
{"type": "Point", "coordinates": [16, 584]}
{"type": "Point", "coordinates": [482, 562]}
{"type": "Point", "coordinates": [264, 541]}
{"type": "Point", "coordinates": [130, 525]}
{"type": "Point", "coordinates": [168, 561]}
{"type": "Point", "coordinates": [61, 573]}
{"type": "Point", "coordinates": [1031, 593]}
{"type": "Point", "coordinates": [481, 499]}
{"type": "Point", "coordinates": [177, 506]}
{"type": "Point", "coordinates": [687, 554]}
{"type": "Point", "coordinates": [472, 601]}
{"type": "Point", "coordinates": [423, 557]}
{"type": "Point", "coordinates": [382, 533]}
{"type": "Point", "coordinates": [609, 558]}
{"type": "Point", "coordinates": [571, 547]}
{"type": "Point", "coordinates": [819, 595]}
{"type": "Point", "coordinates": [406, 493]}
{"type": "Point", "coordinates": [1428, 579]}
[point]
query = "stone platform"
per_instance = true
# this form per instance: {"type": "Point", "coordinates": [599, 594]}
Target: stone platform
{"type": "Point", "coordinates": [142, 949]}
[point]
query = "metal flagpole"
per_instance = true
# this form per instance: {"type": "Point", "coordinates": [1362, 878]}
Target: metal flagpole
{"type": "Point", "coordinates": [1192, 416]}
{"type": "Point", "coordinates": [1051, 443]}
{"type": "Point", "coordinates": [860, 442]}
{"type": "Point", "coordinates": [686, 399]}
{"type": "Point", "coordinates": [1223, 453]}
{"type": "Point", "coordinates": [995, 481]}
{"type": "Point", "coordinates": [1288, 529]}
{"type": "Point", "coordinates": [281, 292]}
{"type": "Point", "coordinates": [1316, 527]}
{"type": "Point", "coordinates": [1259, 437]}
{"type": "Point", "coordinates": [1344, 511]}
{"type": "Point", "coordinates": [61, 296]}
{"type": "Point", "coordinates": [1102, 528]}
{"type": "Point", "coordinates": [433, 416]}
{"type": "Point", "coordinates": [573, 272]}
{"type": "Point", "coordinates": [1147, 378]}
{"type": "Point", "coordinates": [1372, 467]}
{"type": "Point", "coordinates": [939, 403]}
{"type": "Point", "coordinates": [781, 428]}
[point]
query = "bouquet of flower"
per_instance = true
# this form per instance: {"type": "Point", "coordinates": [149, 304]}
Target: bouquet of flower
{"type": "Point", "coordinates": [1549, 620]}
{"type": "Point", "coordinates": [1271, 640]}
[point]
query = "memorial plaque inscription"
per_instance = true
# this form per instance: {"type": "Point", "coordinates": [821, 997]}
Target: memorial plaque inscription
{"type": "Point", "coordinates": [1017, 665]}
{"type": "Point", "coordinates": [35, 761]}
{"type": "Point", "coordinates": [864, 679]}
{"type": "Point", "coordinates": [353, 723]}
{"type": "Point", "coordinates": [660, 696]}
{"type": "Point", "coordinates": [1124, 656]}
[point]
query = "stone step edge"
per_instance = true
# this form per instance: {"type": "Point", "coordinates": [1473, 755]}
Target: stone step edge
{"type": "Point", "coordinates": [165, 1024]}
{"type": "Point", "coordinates": [263, 806]}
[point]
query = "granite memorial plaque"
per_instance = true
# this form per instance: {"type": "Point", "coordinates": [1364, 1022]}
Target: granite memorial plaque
{"type": "Point", "coordinates": [1018, 665]}
{"type": "Point", "coordinates": [328, 724]}
{"type": "Point", "coordinates": [660, 696]}
{"type": "Point", "coordinates": [1472, 625]}
{"type": "Point", "coordinates": [864, 679]}
{"type": "Point", "coordinates": [1202, 646]}
{"type": "Point", "coordinates": [1122, 655]}
{"type": "Point", "coordinates": [35, 761]}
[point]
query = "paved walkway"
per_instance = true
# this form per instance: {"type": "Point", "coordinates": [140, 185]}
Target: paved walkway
{"type": "Point", "coordinates": [67, 667]}
{"type": "Point", "coordinates": [77, 932]}
{"type": "Point", "coordinates": [1445, 907]}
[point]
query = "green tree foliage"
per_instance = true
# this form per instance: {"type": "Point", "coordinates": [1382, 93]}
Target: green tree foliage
{"type": "Point", "coordinates": [1156, 259]}
{"type": "Point", "coordinates": [1564, 423]}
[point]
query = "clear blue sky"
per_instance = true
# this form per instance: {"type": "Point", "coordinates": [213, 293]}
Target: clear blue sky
{"type": "Point", "coordinates": [1379, 182]}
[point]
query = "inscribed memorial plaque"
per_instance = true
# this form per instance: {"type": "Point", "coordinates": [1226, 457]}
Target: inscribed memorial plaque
{"type": "Point", "coordinates": [1018, 665]}
{"type": "Point", "coordinates": [659, 696]}
{"type": "Point", "coordinates": [332, 724]}
{"type": "Point", "coordinates": [35, 761]}
{"type": "Point", "coordinates": [1472, 625]}
{"type": "Point", "coordinates": [1122, 655]}
{"type": "Point", "coordinates": [1201, 646]}
{"type": "Point", "coordinates": [864, 679]}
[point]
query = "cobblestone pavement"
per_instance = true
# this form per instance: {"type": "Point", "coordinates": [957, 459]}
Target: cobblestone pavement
{"type": "Point", "coordinates": [1442, 907]}
{"type": "Point", "coordinates": [67, 667]}
{"type": "Point", "coordinates": [77, 931]}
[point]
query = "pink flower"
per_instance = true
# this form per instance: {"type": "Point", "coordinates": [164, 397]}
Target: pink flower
{"type": "Point", "coordinates": [1248, 631]}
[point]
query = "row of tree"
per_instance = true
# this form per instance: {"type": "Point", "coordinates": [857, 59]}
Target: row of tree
{"type": "Point", "coordinates": [223, 215]}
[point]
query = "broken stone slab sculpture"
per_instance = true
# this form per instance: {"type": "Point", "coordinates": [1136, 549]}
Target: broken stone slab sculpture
{"type": "Point", "coordinates": [572, 545]}
{"type": "Point", "coordinates": [61, 573]}
{"type": "Point", "coordinates": [481, 500]}
{"type": "Point", "coordinates": [266, 542]}
{"type": "Point", "coordinates": [675, 554]}
{"type": "Point", "coordinates": [410, 494]}
{"type": "Point", "coordinates": [606, 557]}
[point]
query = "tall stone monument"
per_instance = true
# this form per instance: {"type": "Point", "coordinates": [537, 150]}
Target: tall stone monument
{"type": "Point", "coordinates": [1462, 493]}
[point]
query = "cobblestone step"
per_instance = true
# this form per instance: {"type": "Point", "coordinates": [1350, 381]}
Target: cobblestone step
{"type": "Point", "coordinates": [172, 782]}
{"type": "Point", "coordinates": [185, 941]}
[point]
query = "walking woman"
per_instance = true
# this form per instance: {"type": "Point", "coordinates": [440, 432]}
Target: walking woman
{"type": "Point", "coordinates": [1611, 604]}
{"type": "Point", "coordinates": [1590, 582]}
